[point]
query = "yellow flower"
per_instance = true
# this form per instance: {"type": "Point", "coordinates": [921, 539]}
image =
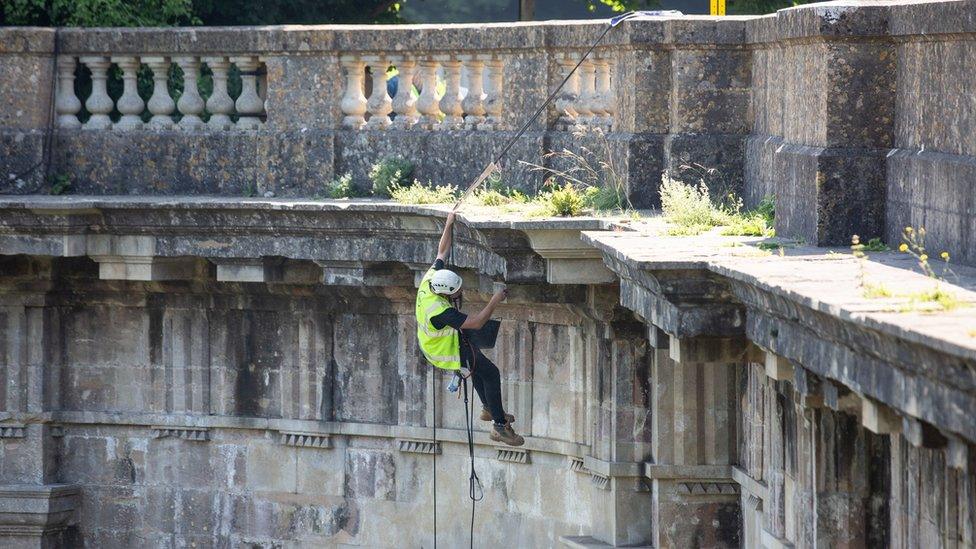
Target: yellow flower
{"type": "Point", "coordinates": [923, 257]}
{"type": "Point", "coordinates": [945, 256]}
{"type": "Point", "coordinates": [908, 230]}
{"type": "Point", "coordinates": [903, 248]}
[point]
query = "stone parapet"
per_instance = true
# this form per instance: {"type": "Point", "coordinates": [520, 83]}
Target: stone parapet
{"type": "Point", "coordinates": [834, 109]}
{"type": "Point", "coordinates": [822, 378]}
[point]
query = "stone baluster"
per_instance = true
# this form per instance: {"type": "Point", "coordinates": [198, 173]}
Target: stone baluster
{"type": "Point", "coordinates": [568, 99]}
{"type": "Point", "coordinates": [430, 111]}
{"type": "Point", "coordinates": [66, 103]}
{"type": "Point", "coordinates": [263, 82]}
{"type": "Point", "coordinates": [404, 104]}
{"type": "Point", "coordinates": [379, 105]}
{"type": "Point", "coordinates": [451, 102]}
{"type": "Point", "coordinates": [249, 105]}
{"type": "Point", "coordinates": [494, 101]}
{"type": "Point", "coordinates": [130, 104]}
{"type": "Point", "coordinates": [604, 92]}
{"type": "Point", "coordinates": [99, 104]}
{"type": "Point", "coordinates": [474, 103]}
{"type": "Point", "coordinates": [219, 103]}
{"type": "Point", "coordinates": [353, 103]}
{"type": "Point", "coordinates": [585, 106]}
{"type": "Point", "coordinates": [190, 103]}
{"type": "Point", "coordinates": [160, 104]}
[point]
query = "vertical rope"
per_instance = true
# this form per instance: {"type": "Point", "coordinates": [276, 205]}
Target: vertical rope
{"type": "Point", "coordinates": [475, 490]}
{"type": "Point", "coordinates": [433, 422]}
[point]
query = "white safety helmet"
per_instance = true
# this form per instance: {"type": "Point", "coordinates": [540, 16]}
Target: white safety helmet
{"type": "Point", "coordinates": [445, 282]}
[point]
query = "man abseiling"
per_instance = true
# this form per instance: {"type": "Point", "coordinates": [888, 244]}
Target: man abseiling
{"type": "Point", "coordinates": [440, 328]}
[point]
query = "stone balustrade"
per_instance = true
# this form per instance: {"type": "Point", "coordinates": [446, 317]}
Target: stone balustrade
{"type": "Point", "coordinates": [474, 92]}
{"type": "Point", "coordinates": [473, 96]}
{"type": "Point", "coordinates": [222, 112]}
{"type": "Point", "coordinates": [309, 93]}
{"type": "Point", "coordinates": [762, 100]}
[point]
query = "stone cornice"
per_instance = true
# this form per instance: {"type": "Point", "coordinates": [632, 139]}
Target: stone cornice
{"type": "Point", "coordinates": [306, 427]}
{"type": "Point", "coordinates": [120, 232]}
{"type": "Point", "coordinates": [807, 308]}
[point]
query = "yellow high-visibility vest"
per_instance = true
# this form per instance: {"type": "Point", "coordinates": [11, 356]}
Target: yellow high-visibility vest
{"type": "Point", "coordinates": [441, 347]}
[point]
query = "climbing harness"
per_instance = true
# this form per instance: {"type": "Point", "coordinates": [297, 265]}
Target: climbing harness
{"type": "Point", "coordinates": [475, 488]}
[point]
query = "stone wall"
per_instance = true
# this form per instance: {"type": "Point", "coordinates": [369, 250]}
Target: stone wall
{"type": "Point", "coordinates": [848, 114]}
{"type": "Point", "coordinates": [167, 381]}
{"type": "Point", "coordinates": [184, 408]}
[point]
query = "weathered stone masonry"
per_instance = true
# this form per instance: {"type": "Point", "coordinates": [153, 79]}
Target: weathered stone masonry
{"type": "Point", "coordinates": [855, 116]}
{"type": "Point", "coordinates": [168, 382]}
{"type": "Point", "coordinates": [230, 372]}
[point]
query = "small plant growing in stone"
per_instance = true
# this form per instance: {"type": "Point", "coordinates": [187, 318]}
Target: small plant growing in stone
{"type": "Point", "coordinates": [496, 193]}
{"type": "Point", "coordinates": [250, 190]}
{"type": "Point", "coordinates": [420, 193]}
{"type": "Point", "coordinates": [390, 172]}
{"type": "Point", "coordinates": [689, 207]}
{"type": "Point", "coordinates": [341, 187]}
{"type": "Point", "coordinates": [859, 251]}
{"type": "Point", "coordinates": [696, 207]}
{"type": "Point", "coordinates": [757, 222]}
{"type": "Point", "coordinates": [592, 171]}
{"type": "Point", "coordinates": [913, 243]}
{"type": "Point", "coordinates": [565, 201]}
{"type": "Point", "coordinates": [876, 245]}
{"type": "Point", "coordinates": [60, 184]}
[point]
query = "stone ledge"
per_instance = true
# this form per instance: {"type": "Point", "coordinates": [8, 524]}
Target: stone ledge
{"type": "Point", "coordinates": [782, 301]}
{"type": "Point", "coordinates": [656, 471]}
{"type": "Point", "coordinates": [307, 427]}
{"type": "Point", "coordinates": [145, 237]}
{"type": "Point", "coordinates": [612, 469]}
{"type": "Point", "coordinates": [589, 542]}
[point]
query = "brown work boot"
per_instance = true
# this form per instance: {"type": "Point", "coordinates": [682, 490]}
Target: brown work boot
{"type": "Point", "coordinates": [505, 433]}
{"type": "Point", "coordinates": [486, 416]}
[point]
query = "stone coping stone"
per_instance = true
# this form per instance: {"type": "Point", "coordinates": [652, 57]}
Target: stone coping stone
{"type": "Point", "coordinates": [57, 205]}
{"type": "Point", "coordinates": [822, 279]}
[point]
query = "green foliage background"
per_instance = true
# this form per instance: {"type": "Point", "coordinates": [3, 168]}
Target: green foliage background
{"type": "Point", "coordinates": [157, 13]}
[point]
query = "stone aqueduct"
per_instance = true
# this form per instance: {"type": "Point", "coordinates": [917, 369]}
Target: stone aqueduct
{"type": "Point", "coordinates": [185, 367]}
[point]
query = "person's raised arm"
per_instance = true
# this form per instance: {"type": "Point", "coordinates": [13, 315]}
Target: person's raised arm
{"type": "Point", "coordinates": [476, 321]}
{"type": "Point", "coordinates": [445, 244]}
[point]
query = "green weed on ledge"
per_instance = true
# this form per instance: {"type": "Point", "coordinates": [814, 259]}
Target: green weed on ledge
{"type": "Point", "coordinates": [420, 193]}
{"type": "Point", "coordinates": [695, 208]}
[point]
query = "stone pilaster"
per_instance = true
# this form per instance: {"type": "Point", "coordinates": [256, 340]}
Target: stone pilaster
{"type": "Point", "coordinates": [34, 511]}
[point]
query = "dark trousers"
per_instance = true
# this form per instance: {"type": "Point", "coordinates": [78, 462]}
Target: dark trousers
{"type": "Point", "coordinates": [487, 381]}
